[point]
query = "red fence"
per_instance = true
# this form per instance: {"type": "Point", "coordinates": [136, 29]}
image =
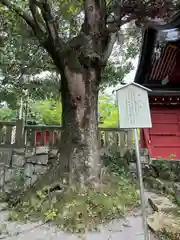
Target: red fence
{"type": "Point", "coordinates": [16, 134]}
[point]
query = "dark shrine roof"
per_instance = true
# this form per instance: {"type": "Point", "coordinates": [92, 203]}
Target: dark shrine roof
{"type": "Point", "coordinates": [153, 69]}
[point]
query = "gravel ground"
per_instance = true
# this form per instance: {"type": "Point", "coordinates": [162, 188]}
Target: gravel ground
{"type": "Point", "coordinates": [125, 229]}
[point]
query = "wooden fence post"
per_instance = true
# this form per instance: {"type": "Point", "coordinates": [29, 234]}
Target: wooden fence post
{"type": "Point", "coordinates": [20, 133]}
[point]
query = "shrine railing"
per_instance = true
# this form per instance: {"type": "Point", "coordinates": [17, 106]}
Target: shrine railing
{"type": "Point", "coordinates": [18, 135]}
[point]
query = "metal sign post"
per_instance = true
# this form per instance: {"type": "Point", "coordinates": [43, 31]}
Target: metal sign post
{"type": "Point", "coordinates": [134, 113]}
{"type": "Point", "coordinates": [143, 200]}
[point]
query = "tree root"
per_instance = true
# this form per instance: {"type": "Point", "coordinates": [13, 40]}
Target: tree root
{"type": "Point", "coordinates": [18, 198]}
{"type": "Point", "coordinates": [49, 182]}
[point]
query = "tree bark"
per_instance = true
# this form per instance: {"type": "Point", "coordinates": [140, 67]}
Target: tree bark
{"type": "Point", "coordinates": [79, 153]}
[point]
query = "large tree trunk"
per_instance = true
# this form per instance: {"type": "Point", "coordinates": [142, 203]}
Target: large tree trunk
{"type": "Point", "coordinates": [79, 153]}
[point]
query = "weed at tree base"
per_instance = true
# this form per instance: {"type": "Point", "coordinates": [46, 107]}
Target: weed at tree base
{"type": "Point", "coordinates": [76, 210]}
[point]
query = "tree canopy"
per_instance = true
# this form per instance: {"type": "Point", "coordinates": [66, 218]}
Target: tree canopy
{"type": "Point", "coordinates": [22, 60]}
{"type": "Point", "coordinates": [76, 39]}
{"type": "Point", "coordinates": [22, 57]}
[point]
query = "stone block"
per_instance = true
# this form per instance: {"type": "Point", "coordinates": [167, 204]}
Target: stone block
{"type": "Point", "coordinates": [160, 203]}
{"type": "Point", "coordinates": [38, 159]}
{"type": "Point", "coordinates": [132, 167]}
{"type": "Point", "coordinates": [52, 156]}
{"type": "Point", "coordinates": [29, 169]}
{"type": "Point", "coordinates": [176, 188]}
{"type": "Point", "coordinates": [33, 179]}
{"type": "Point", "coordinates": [30, 180]}
{"type": "Point", "coordinates": [27, 182]}
{"type": "Point", "coordinates": [30, 152]}
{"type": "Point", "coordinates": [159, 221]}
{"type": "Point", "coordinates": [3, 206]}
{"type": "Point", "coordinates": [144, 159]}
{"type": "Point", "coordinates": [154, 222]}
{"type": "Point", "coordinates": [19, 151]}
{"type": "Point", "coordinates": [53, 152]}
{"type": "Point", "coordinates": [42, 150]}
{"type": "Point", "coordinates": [18, 160]}
{"type": "Point", "coordinates": [39, 170]}
{"type": "Point", "coordinates": [5, 156]}
{"type": "Point", "coordinates": [8, 187]}
{"type": "Point", "coordinates": [9, 174]}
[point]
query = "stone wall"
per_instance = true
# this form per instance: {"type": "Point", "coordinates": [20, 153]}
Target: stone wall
{"type": "Point", "coordinates": [20, 168]}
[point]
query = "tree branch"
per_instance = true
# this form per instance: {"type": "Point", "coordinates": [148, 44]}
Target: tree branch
{"type": "Point", "coordinates": [51, 23]}
{"type": "Point", "coordinates": [95, 16]}
{"type": "Point", "coordinates": [35, 14]}
{"type": "Point", "coordinates": [114, 25]}
{"type": "Point", "coordinates": [54, 44]}
{"type": "Point", "coordinates": [142, 11]}
{"type": "Point", "coordinates": [19, 11]}
{"type": "Point", "coordinates": [109, 47]}
{"type": "Point", "coordinates": [27, 18]}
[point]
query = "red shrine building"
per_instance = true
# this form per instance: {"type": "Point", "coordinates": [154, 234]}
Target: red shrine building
{"type": "Point", "coordinates": [159, 70]}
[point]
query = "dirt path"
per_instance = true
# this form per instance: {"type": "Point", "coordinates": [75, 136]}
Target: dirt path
{"type": "Point", "coordinates": [125, 229]}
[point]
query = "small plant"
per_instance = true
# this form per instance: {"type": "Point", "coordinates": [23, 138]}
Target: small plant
{"type": "Point", "coordinates": [50, 215]}
{"type": "Point", "coordinates": [17, 183]}
{"type": "Point", "coordinates": [41, 195]}
{"type": "Point", "coordinates": [13, 216]}
{"type": "Point", "coordinates": [116, 164]}
{"type": "Point", "coordinates": [168, 169]}
{"type": "Point", "coordinates": [165, 235]}
{"type": "Point", "coordinates": [77, 211]}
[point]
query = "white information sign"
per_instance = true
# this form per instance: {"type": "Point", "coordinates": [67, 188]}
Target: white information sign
{"type": "Point", "coordinates": [133, 106]}
{"type": "Point", "coordinates": [134, 113]}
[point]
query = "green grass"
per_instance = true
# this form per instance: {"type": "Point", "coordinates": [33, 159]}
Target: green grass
{"type": "Point", "coordinates": [78, 211]}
